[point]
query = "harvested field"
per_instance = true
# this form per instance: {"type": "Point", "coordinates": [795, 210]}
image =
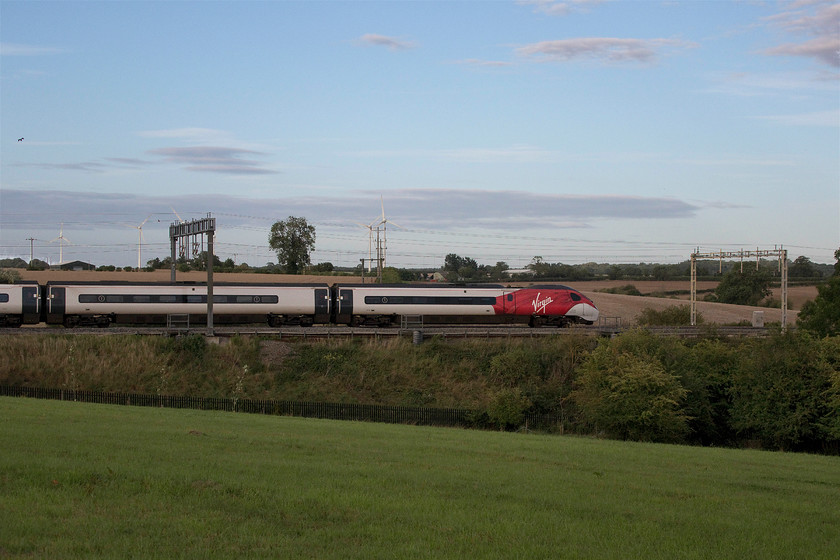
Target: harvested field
{"type": "Point", "coordinates": [627, 308]}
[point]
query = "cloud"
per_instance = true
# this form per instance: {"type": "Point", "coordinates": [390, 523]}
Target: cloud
{"type": "Point", "coordinates": [607, 49]}
{"type": "Point", "coordinates": [816, 118]}
{"type": "Point", "coordinates": [16, 49]}
{"type": "Point", "coordinates": [213, 159]}
{"type": "Point", "coordinates": [193, 134]}
{"type": "Point", "coordinates": [820, 20]}
{"type": "Point", "coordinates": [90, 166]}
{"type": "Point", "coordinates": [129, 162]}
{"type": "Point", "coordinates": [484, 63]}
{"type": "Point", "coordinates": [823, 49]}
{"type": "Point", "coordinates": [433, 209]}
{"type": "Point", "coordinates": [558, 7]}
{"type": "Point", "coordinates": [392, 43]}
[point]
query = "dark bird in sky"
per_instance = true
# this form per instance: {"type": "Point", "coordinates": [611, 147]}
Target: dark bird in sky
{"type": "Point", "coordinates": [20, 139]}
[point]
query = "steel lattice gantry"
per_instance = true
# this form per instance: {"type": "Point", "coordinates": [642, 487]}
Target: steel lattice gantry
{"type": "Point", "coordinates": [781, 254]}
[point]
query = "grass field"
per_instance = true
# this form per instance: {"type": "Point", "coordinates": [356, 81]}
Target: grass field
{"type": "Point", "coordinates": [79, 480]}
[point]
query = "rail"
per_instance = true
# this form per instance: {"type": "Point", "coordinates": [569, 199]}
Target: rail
{"type": "Point", "coordinates": [338, 332]}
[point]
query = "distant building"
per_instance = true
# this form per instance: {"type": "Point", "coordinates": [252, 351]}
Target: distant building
{"type": "Point", "coordinates": [513, 271]}
{"type": "Point", "coordinates": [74, 265]}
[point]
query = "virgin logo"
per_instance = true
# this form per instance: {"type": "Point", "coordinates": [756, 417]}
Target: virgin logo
{"type": "Point", "coordinates": [541, 304]}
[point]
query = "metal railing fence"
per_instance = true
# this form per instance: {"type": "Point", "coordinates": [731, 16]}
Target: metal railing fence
{"type": "Point", "coordinates": [416, 415]}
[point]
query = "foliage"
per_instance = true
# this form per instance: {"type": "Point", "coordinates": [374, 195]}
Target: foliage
{"type": "Point", "coordinates": [744, 288]}
{"type": "Point", "coordinates": [822, 315]}
{"type": "Point", "coordinates": [16, 262]}
{"type": "Point", "coordinates": [626, 290]}
{"type": "Point", "coordinates": [9, 276]}
{"type": "Point", "coordinates": [675, 315]}
{"type": "Point", "coordinates": [322, 268]}
{"type": "Point", "coordinates": [802, 267]}
{"type": "Point", "coordinates": [630, 396]}
{"type": "Point", "coordinates": [294, 240]}
{"type": "Point", "coordinates": [457, 268]}
{"type": "Point", "coordinates": [507, 408]}
{"type": "Point", "coordinates": [779, 390]}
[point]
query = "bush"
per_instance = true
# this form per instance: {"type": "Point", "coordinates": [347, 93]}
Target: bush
{"type": "Point", "coordinates": [628, 396]}
{"type": "Point", "coordinates": [9, 276]}
{"type": "Point", "coordinates": [675, 315]}
{"type": "Point", "coordinates": [507, 408]}
{"type": "Point", "coordinates": [782, 392]}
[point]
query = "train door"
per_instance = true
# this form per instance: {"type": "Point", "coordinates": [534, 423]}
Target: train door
{"type": "Point", "coordinates": [345, 307]}
{"type": "Point", "coordinates": [56, 304]}
{"type": "Point", "coordinates": [322, 306]}
{"type": "Point", "coordinates": [31, 304]}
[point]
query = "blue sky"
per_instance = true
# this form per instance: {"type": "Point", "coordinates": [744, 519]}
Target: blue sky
{"type": "Point", "coordinates": [573, 130]}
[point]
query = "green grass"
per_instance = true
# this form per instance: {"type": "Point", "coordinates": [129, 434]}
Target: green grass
{"type": "Point", "coordinates": [79, 480]}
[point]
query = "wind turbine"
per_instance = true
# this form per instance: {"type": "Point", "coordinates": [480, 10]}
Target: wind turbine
{"type": "Point", "coordinates": [369, 227]}
{"type": "Point", "coordinates": [383, 221]}
{"type": "Point", "coordinates": [180, 221]}
{"type": "Point", "coordinates": [140, 242]}
{"type": "Point", "coordinates": [61, 241]}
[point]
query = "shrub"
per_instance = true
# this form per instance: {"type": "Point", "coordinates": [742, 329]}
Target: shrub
{"type": "Point", "coordinates": [507, 408]}
{"type": "Point", "coordinates": [782, 392]}
{"type": "Point", "coordinates": [9, 276]}
{"type": "Point", "coordinates": [627, 396]}
{"type": "Point", "coordinates": [675, 315]}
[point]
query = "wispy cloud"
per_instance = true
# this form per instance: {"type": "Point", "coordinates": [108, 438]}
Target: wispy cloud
{"type": "Point", "coordinates": [213, 159]}
{"type": "Point", "coordinates": [89, 166]}
{"type": "Point", "coordinates": [559, 7]}
{"type": "Point", "coordinates": [392, 43]}
{"type": "Point", "coordinates": [17, 49]}
{"type": "Point", "coordinates": [816, 118]}
{"type": "Point", "coordinates": [484, 63]}
{"type": "Point", "coordinates": [820, 20]}
{"type": "Point", "coordinates": [606, 49]}
{"type": "Point", "coordinates": [190, 134]}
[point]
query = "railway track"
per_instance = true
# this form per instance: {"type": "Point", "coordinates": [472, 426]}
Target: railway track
{"type": "Point", "coordinates": [417, 334]}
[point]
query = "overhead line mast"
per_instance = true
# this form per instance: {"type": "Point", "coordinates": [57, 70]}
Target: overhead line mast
{"type": "Point", "coordinates": [194, 228]}
{"type": "Point", "coordinates": [720, 255]}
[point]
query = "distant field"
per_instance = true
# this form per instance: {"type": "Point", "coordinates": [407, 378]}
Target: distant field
{"type": "Point", "coordinates": [81, 480]}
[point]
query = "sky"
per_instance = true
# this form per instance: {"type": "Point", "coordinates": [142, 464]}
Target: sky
{"type": "Point", "coordinates": [574, 130]}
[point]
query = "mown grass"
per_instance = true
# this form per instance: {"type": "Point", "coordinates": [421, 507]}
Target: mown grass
{"type": "Point", "coordinates": [80, 480]}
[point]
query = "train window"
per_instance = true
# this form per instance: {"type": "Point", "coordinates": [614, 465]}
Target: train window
{"type": "Point", "coordinates": [166, 299]}
{"type": "Point", "coordinates": [4, 298]}
{"type": "Point", "coordinates": [510, 297]}
{"type": "Point", "coordinates": [142, 299]}
{"type": "Point", "coordinates": [114, 299]}
{"type": "Point", "coordinates": [194, 299]}
{"type": "Point", "coordinates": [574, 296]}
{"type": "Point", "coordinates": [244, 299]}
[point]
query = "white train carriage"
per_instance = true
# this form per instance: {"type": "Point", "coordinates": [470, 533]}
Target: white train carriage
{"type": "Point", "coordinates": [100, 304]}
{"type": "Point", "coordinates": [20, 303]}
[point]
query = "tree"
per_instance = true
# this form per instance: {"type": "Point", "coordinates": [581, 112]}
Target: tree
{"type": "Point", "coordinates": [802, 267]}
{"type": "Point", "coordinates": [822, 315]}
{"type": "Point", "coordinates": [744, 288]}
{"type": "Point", "coordinates": [294, 240]}
{"type": "Point", "coordinates": [459, 268]}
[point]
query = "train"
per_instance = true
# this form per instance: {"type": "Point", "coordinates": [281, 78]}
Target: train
{"type": "Point", "coordinates": [101, 304]}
